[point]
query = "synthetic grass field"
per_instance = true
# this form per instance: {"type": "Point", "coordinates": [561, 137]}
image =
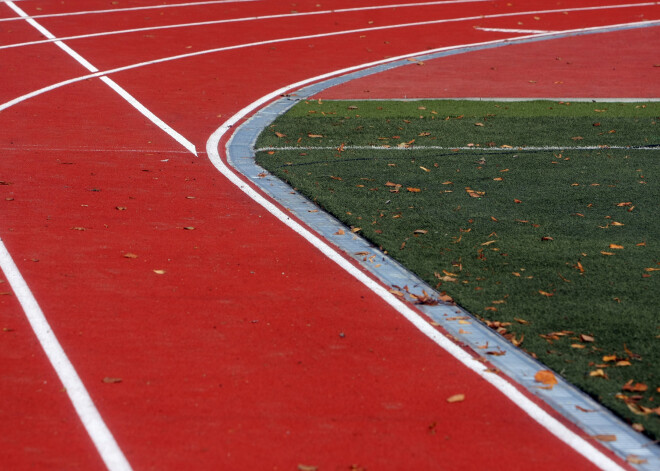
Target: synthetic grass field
{"type": "Point", "coordinates": [557, 248]}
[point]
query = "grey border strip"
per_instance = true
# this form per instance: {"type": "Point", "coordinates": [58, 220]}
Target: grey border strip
{"type": "Point", "coordinates": [563, 398]}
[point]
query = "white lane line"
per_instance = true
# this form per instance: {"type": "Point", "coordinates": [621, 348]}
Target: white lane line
{"type": "Point", "coordinates": [508, 30]}
{"type": "Point", "coordinates": [378, 7]}
{"type": "Point", "coordinates": [119, 10]}
{"type": "Point", "coordinates": [507, 389]}
{"type": "Point", "coordinates": [494, 150]}
{"type": "Point", "coordinates": [63, 83]}
{"type": "Point", "coordinates": [108, 81]}
{"type": "Point", "coordinates": [105, 443]}
{"type": "Point", "coordinates": [233, 20]}
{"type": "Point", "coordinates": [324, 12]}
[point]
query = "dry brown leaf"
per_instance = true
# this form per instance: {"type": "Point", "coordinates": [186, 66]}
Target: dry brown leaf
{"type": "Point", "coordinates": [634, 387]}
{"type": "Point", "coordinates": [546, 377]}
{"type": "Point", "coordinates": [605, 437]}
{"type": "Point", "coordinates": [586, 338]}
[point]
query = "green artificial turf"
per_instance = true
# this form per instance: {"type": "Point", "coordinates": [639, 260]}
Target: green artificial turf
{"type": "Point", "coordinates": [557, 248]}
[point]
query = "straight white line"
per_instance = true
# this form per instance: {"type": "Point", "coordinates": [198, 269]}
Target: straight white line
{"type": "Point", "coordinates": [324, 12]}
{"type": "Point", "coordinates": [63, 83]}
{"type": "Point", "coordinates": [118, 10]}
{"type": "Point", "coordinates": [82, 402]}
{"type": "Point", "coordinates": [501, 149]}
{"type": "Point", "coordinates": [507, 389]}
{"type": "Point", "coordinates": [108, 81]}
{"type": "Point", "coordinates": [509, 30]}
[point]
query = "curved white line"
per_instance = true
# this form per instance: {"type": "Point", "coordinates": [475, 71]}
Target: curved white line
{"type": "Point", "coordinates": [345, 10]}
{"type": "Point", "coordinates": [507, 389]}
{"type": "Point", "coordinates": [89, 415]}
{"type": "Point", "coordinates": [63, 83]}
{"type": "Point", "coordinates": [119, 10]}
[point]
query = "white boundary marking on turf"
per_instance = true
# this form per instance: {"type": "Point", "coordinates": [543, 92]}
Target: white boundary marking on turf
{"type": "Point", "coordinates": [119, 10]}
{"type": "Point", "coordinates": [507, 389]}
{"type": "Point", "coordinates": [361, 30]}
{"type": "Point", "coordinates": [494, 150]}
{"type": "Point", "coordinates": [108, 81]}
{"type": "Point", "coordinates": [63, 83]}
{"type": "Point", "coordinates": [82, 402]}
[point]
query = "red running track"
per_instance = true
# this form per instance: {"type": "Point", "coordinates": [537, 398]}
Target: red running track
{"type": "Point", "coordinates": [238, 345]}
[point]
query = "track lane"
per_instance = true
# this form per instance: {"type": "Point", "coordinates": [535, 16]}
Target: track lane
{"type": "Point", "coordinates": [174, 329]}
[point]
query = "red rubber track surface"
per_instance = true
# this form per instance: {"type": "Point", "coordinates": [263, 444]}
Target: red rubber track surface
{"type": "Point", "coordinates": [251, 351]}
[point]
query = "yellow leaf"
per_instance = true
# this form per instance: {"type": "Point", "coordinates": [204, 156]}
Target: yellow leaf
{"type": "Point", "coordinates": [545, 293]}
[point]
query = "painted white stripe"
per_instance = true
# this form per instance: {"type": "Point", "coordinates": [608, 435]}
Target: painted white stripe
{"type": "Point", "coordinates": [109, 82]}
{"type": "Point", "coordinates": [508, 30]}
{"type": "Point", "coordinates": [362, 30]}
{"type": "Point", "coordinates": [377, 7]}
{"type": "Point", "coordinates": [63, 83]}
{"type": "Point", "coordinates": [413, 147]}
{"type": "Point", "coordinates": [116, 10]}
{"type": "Point", "coordinates": [234, 20]}
{"type": "Point", "coordinates": [105, 443]}
{"type": "Point", "coordinates": [507, 389]}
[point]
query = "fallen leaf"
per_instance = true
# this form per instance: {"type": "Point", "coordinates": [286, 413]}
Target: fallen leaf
{"type": "Point", "coordinates": [545, 293]}
{"type": "Point", "coordinates": [420, 231]}
{"type": "Point", "coordinates": [599, 373]}
{"type": "Point", "coordinates": [314, 135]}
{"type": "Point", "coordinates": [586, 338]}
{"type": "Point", "coordinates": [634, 387]}
{"type": "Point", "coordinates": [130, 255]}
{"type": "Point", "coordinates": [413, 190]}
{"type": "Point", "coordinates": [279, 134]}
{"type": "Point", "coordinates": [615, 246]}
{"type": "Point", "coordinates": [632, 459]}
{"type": "Point", "coordinates": [340, 232]}
{"type": "Point", "coordinates": [109, 380]}
{"type": "Point", "coordinates": [160, 272]}
{"type": "Point", "coordinates": [456, 398]}
{"type": "Point", "coordinates": [546, 377]}
{"type": "Point", "coordinates": [605, 437]}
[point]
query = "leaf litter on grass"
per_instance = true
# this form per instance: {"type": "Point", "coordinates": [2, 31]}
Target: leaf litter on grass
{"type": "Point", "coordinates": [565, 238]}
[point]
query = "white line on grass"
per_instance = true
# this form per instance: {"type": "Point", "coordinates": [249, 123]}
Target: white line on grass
{"type": "Point", "coordinates": [108, 81]}
{"type": "Point", "coordinates": [105, 443]}
{"type": "Point", "coordinates": [507, 389]}
{"type": "Point", "coordinates": [501, 149]}
{"type": "Point", "coordinates": [493, 43]}
{"type": "Point", "coordinates": [361, 30]}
